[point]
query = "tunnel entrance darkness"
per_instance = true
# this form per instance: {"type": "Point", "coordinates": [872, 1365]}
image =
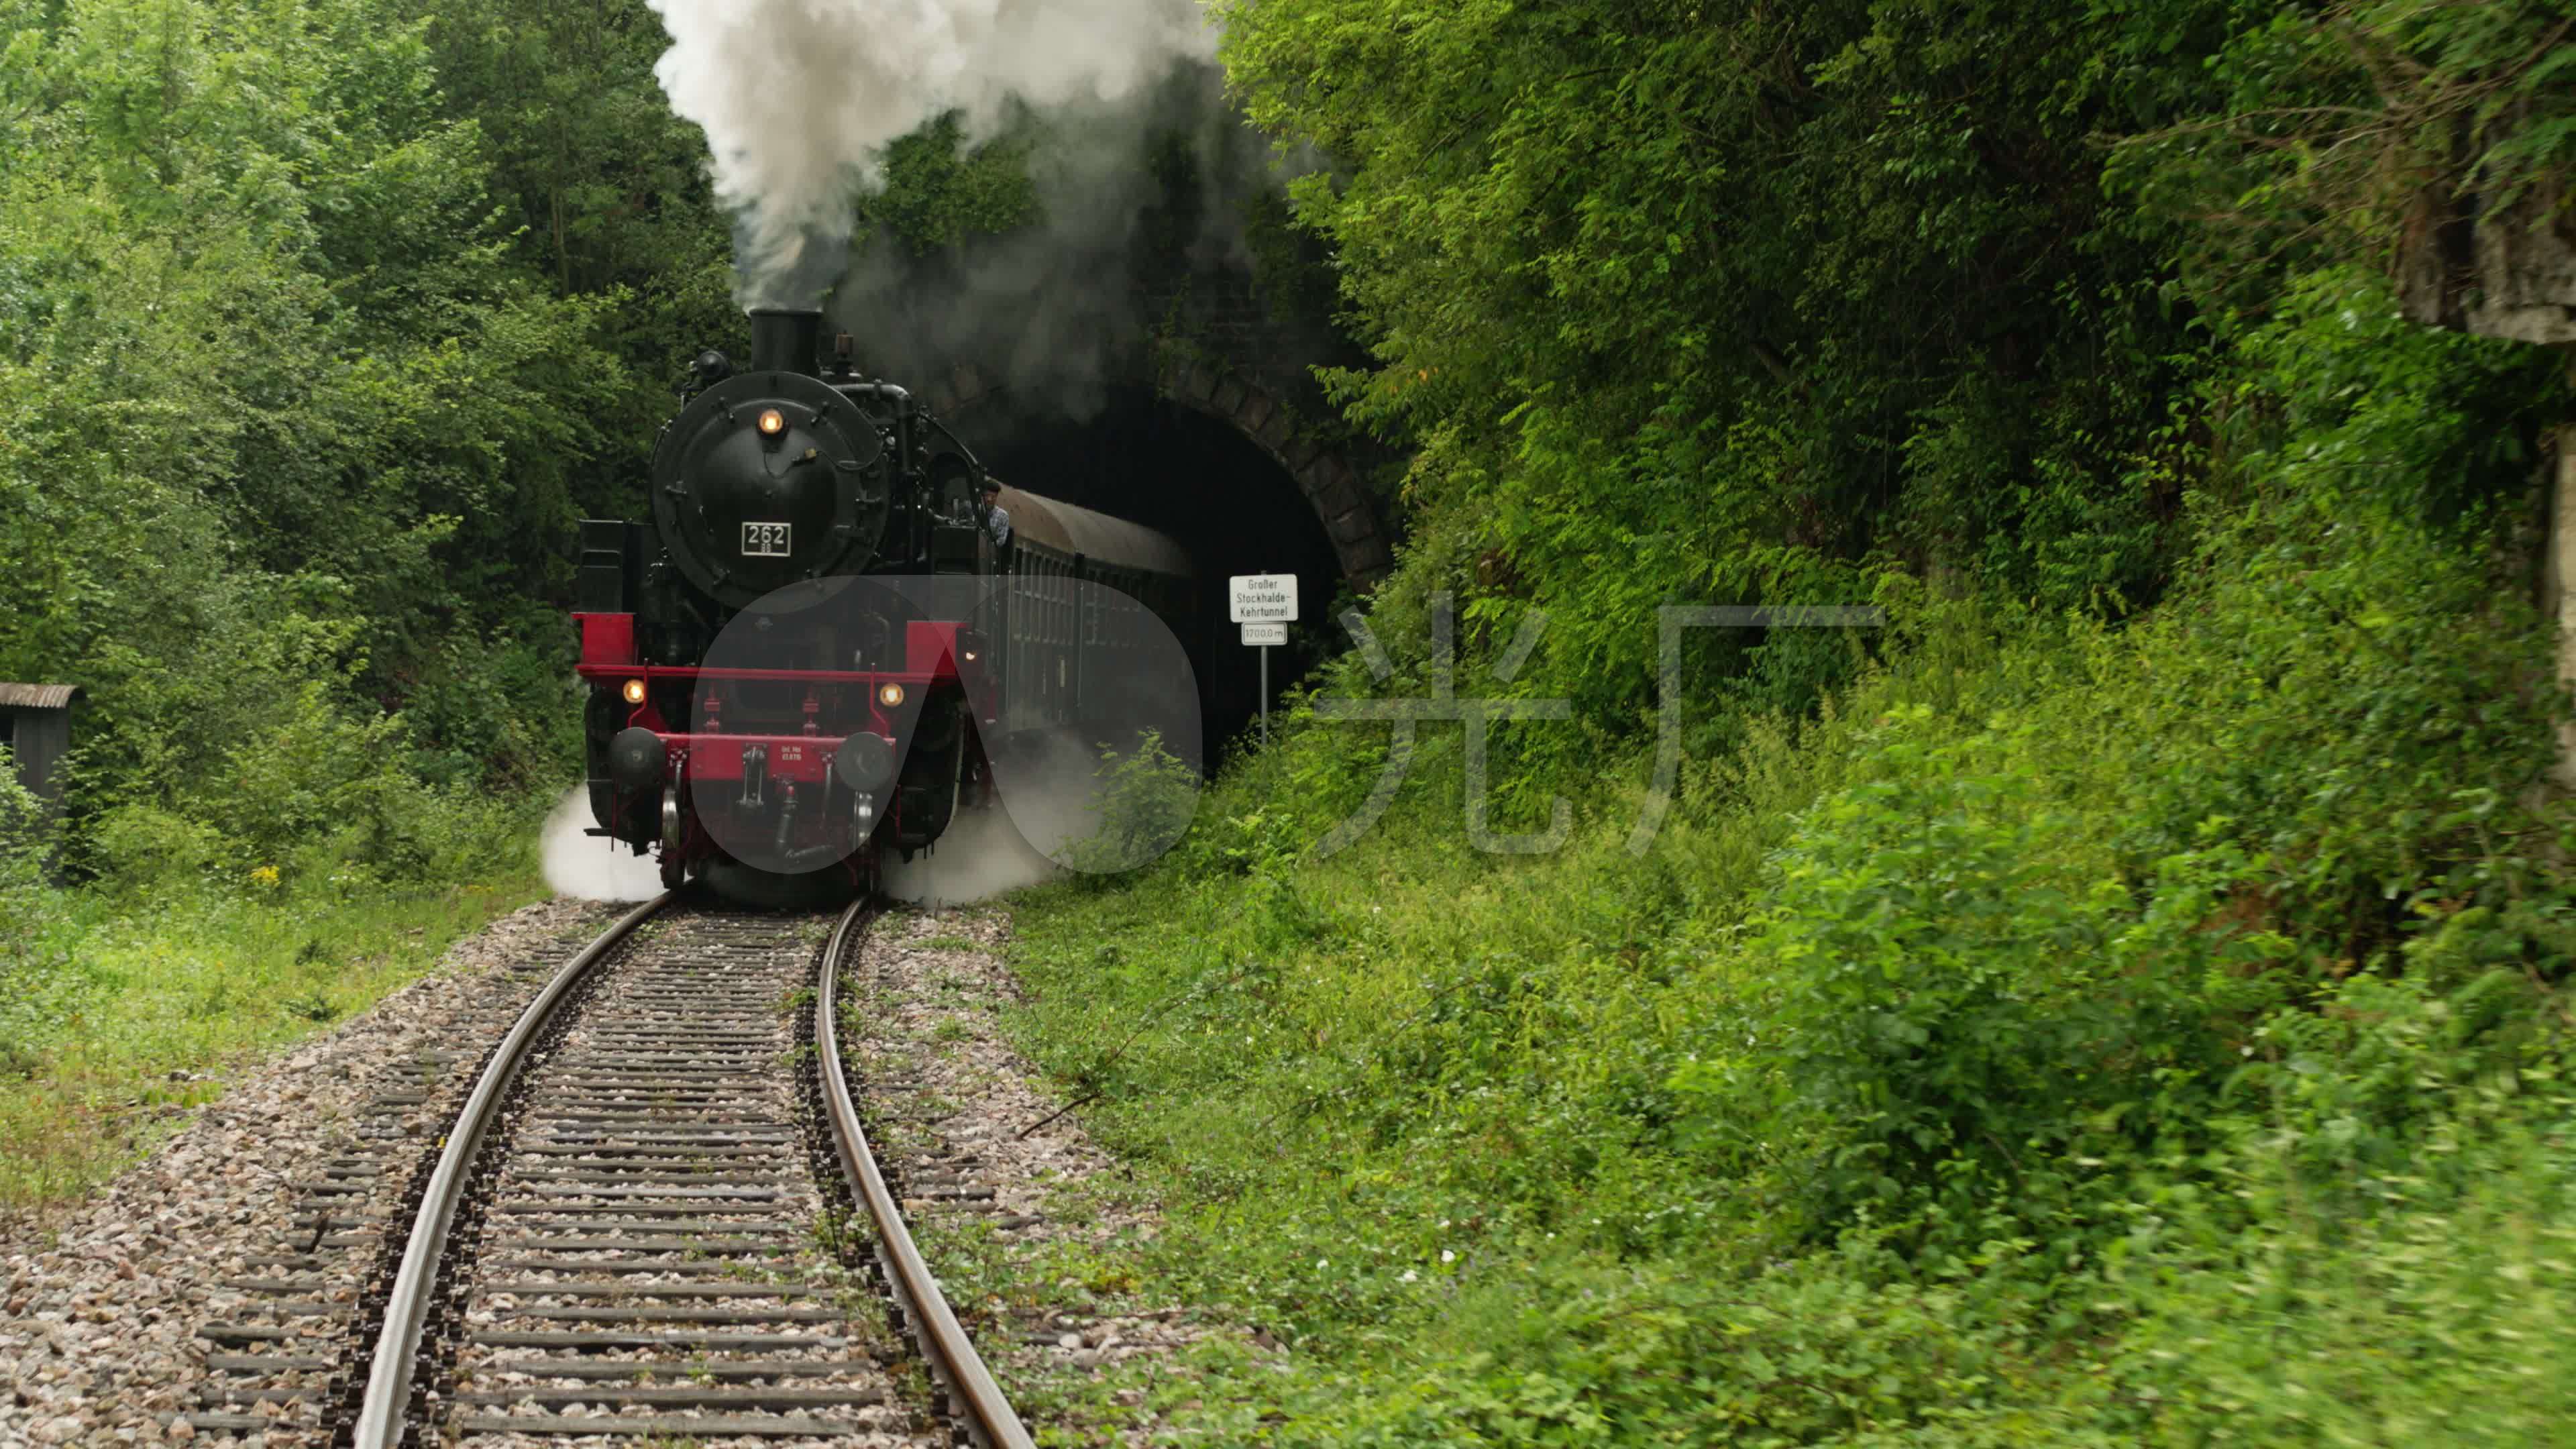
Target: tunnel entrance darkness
{"type": "Point", "coordinates": [1211, 489]}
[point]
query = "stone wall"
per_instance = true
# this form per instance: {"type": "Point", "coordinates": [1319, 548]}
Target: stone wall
{"type": "Point", "coordinates": [1324, 474]}
{"type": "Point", "coordinates": [1222, 354]}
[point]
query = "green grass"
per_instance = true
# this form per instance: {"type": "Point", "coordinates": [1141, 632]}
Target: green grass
{"type": "Point", "coordinates": [1411, 1112]}
{"type": "Point", "coordinates": [1371, 1092]}
{"type": "Point", "coordinates": [2012, 1055]}
{"type": "Point", "coordinates": [125, 1013]}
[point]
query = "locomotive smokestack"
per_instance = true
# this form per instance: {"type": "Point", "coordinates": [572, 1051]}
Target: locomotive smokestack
{"type": "Point", "coordinates": [784, 339]}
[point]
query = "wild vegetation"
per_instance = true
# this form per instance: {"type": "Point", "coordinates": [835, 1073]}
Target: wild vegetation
{"type": "Point", "coordinates": [319, 324]}
{"type": "Point", "coordinates": [314, 337]}
{"type": "Point", "coordinates": [2124, 999]}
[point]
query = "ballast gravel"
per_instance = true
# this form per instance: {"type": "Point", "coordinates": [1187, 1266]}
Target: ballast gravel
{"type": "Point", "coordinates": [987, 1148]}
{"type": "Point", "coordinates": [101, 1303]}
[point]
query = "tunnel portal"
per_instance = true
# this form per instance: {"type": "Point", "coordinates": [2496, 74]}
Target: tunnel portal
{"type": "Point", "coordinates": [1221, 496]}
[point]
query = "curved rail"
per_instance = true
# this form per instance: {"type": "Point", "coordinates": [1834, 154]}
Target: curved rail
{"type": "Point", "coordinates": [974, 1395]}
{"type": "Point", "coordinates": [389, 1373]}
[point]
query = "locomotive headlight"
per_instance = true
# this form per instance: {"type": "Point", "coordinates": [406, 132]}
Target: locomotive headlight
{"type": "Point", "coordinates": [889, 695]}
{"type": "Point", "coordinates": [772, 422]}
{"type": "Point", "coordinates": [634, 691]}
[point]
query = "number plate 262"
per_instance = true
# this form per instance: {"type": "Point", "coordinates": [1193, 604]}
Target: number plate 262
{"type": "Point", "coordinates": [768, 540]}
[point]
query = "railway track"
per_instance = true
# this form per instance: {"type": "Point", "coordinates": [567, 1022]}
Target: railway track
{"type": "Point", "coordinates": [656, 1216]}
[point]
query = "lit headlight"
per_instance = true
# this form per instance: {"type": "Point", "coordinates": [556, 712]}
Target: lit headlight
{"type": "Point", "coordinates": [889, 695]}
{"type": "Point", "coordinates": [634, 691]}
{"type": "Point", "coordinates": [772, 422]}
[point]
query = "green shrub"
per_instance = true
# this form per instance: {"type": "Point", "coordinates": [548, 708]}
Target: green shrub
{"type": "Point", "coordinates": [145, 846]}
{"type": "Point", "coordinates": [1142, 800]}
{"type": "Point", "coordinates": [1962, 1003]}
{"type": "Point", "coordinates": [27, 903]}
{"type": "Point", "coordinates": [26, 833]}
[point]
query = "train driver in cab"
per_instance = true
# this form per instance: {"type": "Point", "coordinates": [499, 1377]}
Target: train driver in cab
{"type": "Point", "coordinates": [996, 517]}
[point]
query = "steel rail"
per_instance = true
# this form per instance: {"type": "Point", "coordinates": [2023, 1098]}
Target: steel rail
{"type": "Point", "coordinates": [389, 1373]}
{"type": "Point", "coordinates": [973, 1394]}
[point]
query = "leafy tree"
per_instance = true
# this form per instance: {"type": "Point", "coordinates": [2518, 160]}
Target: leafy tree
{"type": "Point", "coordinates": [1715, 293]}
{"type": "Point", "coordinates": [284, 411]}
{"type": "Point", "coordinates": [603, 193]}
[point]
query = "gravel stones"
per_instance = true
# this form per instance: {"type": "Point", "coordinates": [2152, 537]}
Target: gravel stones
{"type": "Point", "coordinates": [650, 1263]}
{"type": "Point", "coordinates": [980, 1137]}
{"type": "Point", "coordinates": [258, 1220]}
{"type": "Point", "coordinates": [108, 1298]}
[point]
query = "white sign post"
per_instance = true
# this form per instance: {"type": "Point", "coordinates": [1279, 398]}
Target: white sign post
{"type": "Point", "coordinates": [1265, 605]}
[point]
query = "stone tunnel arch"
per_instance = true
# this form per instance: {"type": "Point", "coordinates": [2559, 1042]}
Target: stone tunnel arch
{"type": "Point", "coordinates": [1323, 474]}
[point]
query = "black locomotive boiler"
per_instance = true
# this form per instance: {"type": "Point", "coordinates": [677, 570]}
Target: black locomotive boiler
{"type": "Point", "coordinates": [808, 654]}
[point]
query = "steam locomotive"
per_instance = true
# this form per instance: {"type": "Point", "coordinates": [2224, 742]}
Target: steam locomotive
{"type": "Point", "coordinates": [816, 648]}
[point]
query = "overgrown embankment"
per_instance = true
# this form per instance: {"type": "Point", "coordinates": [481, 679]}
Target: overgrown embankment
{"type": "Point", "coordinates": [2124, 1000]}
{"type": "Point", "coordinates": [2071, 1034]}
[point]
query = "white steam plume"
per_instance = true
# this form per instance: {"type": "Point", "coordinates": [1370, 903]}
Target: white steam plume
{"type": "Point", "coordinates": [799, 98]}
{"type": "Point", "coordinates": [590, 867]}
{"type": "Point", "coordinates": [1056, 313]}
{"type": "Point", "coordinates": [999, 846]}
{"type": "Point", "coordinates": [984, 853]}
{"type": "Point", "coordinates": [981, 855]}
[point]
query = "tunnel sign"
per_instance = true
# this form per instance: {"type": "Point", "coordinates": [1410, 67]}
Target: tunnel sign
{"type": "Point", "coordinates": [1265, 605]}
{"type": "Point", "coordinates": [1262, 598]}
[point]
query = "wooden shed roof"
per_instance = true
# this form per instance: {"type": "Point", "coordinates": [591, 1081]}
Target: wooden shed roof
{"type": "Point", "coordinates": [37, 696]}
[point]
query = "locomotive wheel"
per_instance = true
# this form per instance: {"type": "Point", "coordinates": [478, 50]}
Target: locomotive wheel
{"type": "Point", "coordinates": [675, 832]}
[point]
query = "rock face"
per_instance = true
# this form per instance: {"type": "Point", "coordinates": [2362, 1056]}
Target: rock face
{"type": "Point", "coordinates": [2508, 272]}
